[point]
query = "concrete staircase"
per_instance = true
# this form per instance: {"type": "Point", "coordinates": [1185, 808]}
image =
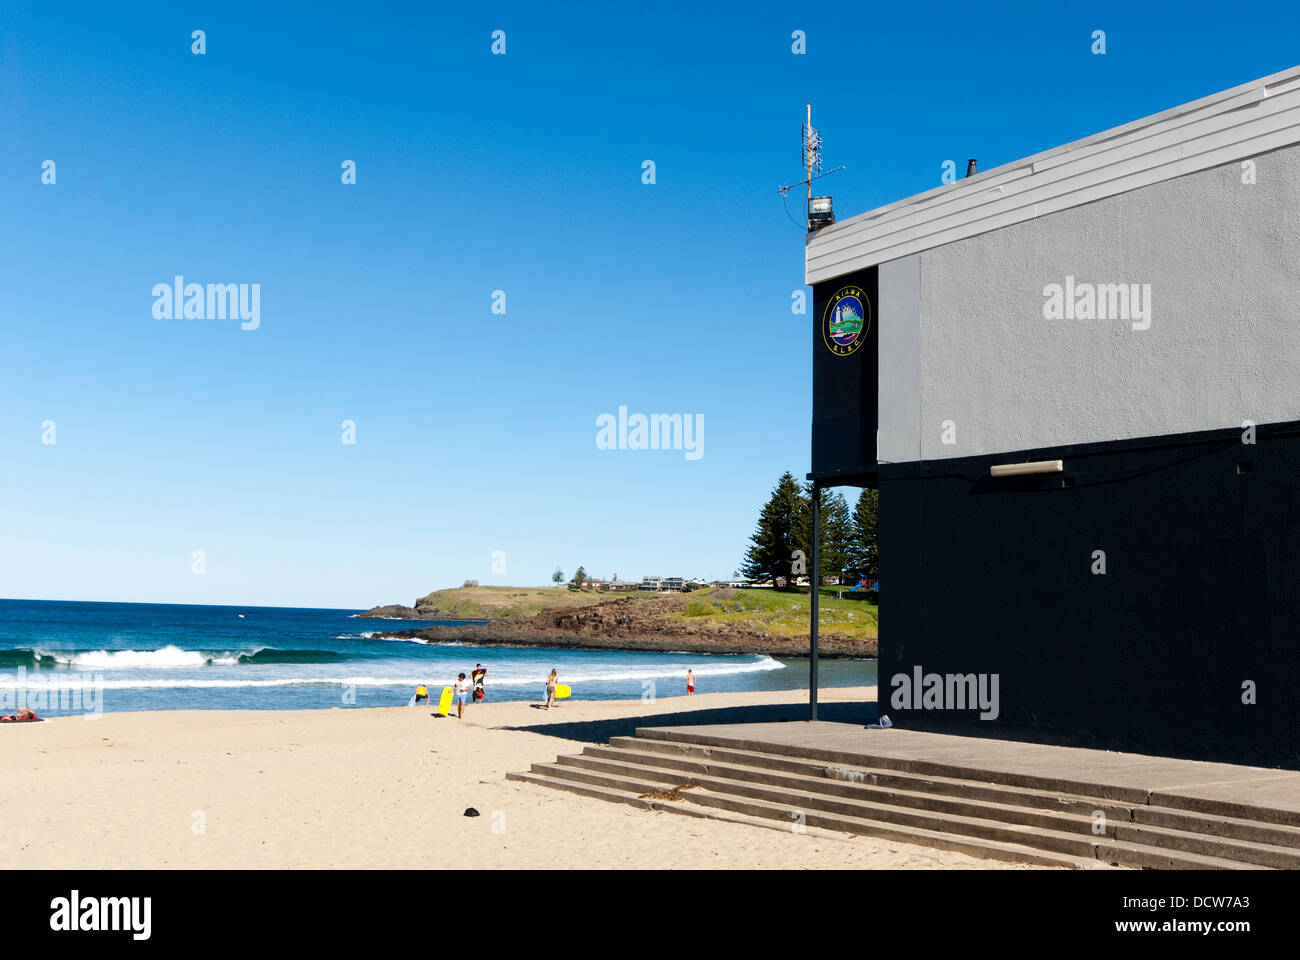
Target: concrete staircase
{"type": "Point", "coordinates": [961, 810]}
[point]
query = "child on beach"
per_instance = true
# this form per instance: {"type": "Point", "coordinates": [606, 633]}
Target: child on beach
{"type": "Point", "coordinates": [690, 682]}
{"type": "Point", "coordinates": [462, 692]}
{"type": "Point", "coordinates": [551, 680]}
{"type": "Point", "coordinates": [477, 676]}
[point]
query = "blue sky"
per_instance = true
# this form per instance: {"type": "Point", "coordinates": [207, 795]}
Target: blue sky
{"type": "Point", "coordinates": [475, 432]}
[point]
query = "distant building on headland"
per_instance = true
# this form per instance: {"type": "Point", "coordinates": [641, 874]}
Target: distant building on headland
{"type": "Point", "coordinates": [669, 584]}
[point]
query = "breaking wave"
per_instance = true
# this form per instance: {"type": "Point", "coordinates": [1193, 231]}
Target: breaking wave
{"type": "Point", "coordinates": [164, 657]}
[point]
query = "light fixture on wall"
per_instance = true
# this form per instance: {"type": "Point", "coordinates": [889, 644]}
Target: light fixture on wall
{"type": "Point", "coordinates": [1026, 469]}
{"type": "Point", "coordinates": [821, 212]}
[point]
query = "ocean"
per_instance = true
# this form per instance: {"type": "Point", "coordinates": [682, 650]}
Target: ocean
{"type": "Point", "coordinates": [61, 657]}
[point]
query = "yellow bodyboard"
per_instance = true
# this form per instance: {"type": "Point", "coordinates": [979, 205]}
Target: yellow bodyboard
{"type": "Point", "coordinates": [562, 690]}
{"type": "Point", "coordinates": [444, 703]}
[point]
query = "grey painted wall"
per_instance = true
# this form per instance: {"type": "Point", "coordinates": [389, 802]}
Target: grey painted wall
{"type": "Point", "coordinates": [1223, 262]}
{"type": "Point", "coordinates": [899, 422]}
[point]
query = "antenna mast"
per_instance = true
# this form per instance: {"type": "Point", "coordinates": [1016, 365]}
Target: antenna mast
{"type": "Point", "coordinates": [812, 156]}
{"type": "Point", "coordinates": [812, 150]}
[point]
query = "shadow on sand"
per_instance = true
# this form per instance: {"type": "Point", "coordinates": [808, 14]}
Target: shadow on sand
{"type": "Point", "coordinates": [600, 731]}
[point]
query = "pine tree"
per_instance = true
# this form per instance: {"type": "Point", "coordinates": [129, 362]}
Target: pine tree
{"type": "Point", "coordinates": [803, 524]}
{"type": "Point", "coordinates": [772, 546]}
{"type": "Point", "coordinates": [866, 534]}
{"type": "Point", "coordinates": [837, 537]}
{"type": "Point", "coordinates": [557, 577]}
{"type": "Point", "coordinates": [836, 546]}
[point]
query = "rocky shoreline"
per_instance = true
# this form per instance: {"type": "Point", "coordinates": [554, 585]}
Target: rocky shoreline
{"type": "Point", "coordinates": [830, 647]}
{"type": "Point", "coordinates": [396, 611]}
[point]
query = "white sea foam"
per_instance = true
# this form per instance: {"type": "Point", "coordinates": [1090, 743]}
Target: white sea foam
{"type": "Point", "coordinates": [588, 673]}
{"type": "Point", "coordinates": [521, 676]}
{"type": "Point", "coordinates": [168, 656]}
{"type": "Point", "coordinates": [162, 658]}
{"type": "Point", "coordinates": [57, 682]}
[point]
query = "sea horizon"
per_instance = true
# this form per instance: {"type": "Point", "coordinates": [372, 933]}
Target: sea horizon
{"type": "Point", "coordinates": [235, 606]}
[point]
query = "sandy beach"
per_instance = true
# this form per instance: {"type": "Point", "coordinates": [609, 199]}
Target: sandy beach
{"type": "Point", "coordinates": [377, 788]}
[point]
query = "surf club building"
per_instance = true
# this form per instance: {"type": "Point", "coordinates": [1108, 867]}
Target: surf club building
{"type": "Point", "coordinates": [1075, 381]}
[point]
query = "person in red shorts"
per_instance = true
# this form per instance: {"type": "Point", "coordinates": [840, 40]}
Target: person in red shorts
{"type": "Point", "coordinates": [690, 682]}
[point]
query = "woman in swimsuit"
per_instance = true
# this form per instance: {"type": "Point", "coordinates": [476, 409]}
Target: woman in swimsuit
{"type": "Point", "coordinates": [551, 680]}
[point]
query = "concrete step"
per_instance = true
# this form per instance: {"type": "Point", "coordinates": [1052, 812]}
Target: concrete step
{"type": "Point", "coordinates": [749, 781]}
{"type": "Point", "coordinates": [1232, 828]}
{"type": "Point", "coordinates": [674, 740]}
{"type": "Point", "coordinates": [1180, 832]}
{"type": "Point", "coordinates": [633, 797]}
{"type": "Point", "coordinates": [1259, 854]}
{"type": "Point", "coordinates": [700, 759]}
{"type": "Point", "coordinates": [683, 807]}
{"type": "Point", "coordinates": [1263, 845]}
{"type": "Point", "coordinates": [983, 849]}
{"type": "Point", "coordinates": [1008, 778]}
{"type": "Point", "coordinates": [789, 805]}
{"type": "Point", "coordinates": [921, 790]}
{"type": "Point", "coordinates": [792, 805]}
{"type": "Point", "coordinates": [945, 804]}
{"type": "Point", "coordinates": [1225, 808]}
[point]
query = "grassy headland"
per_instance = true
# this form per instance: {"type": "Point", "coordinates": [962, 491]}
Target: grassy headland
{"type": "Point", "coordinates": [714, 619]}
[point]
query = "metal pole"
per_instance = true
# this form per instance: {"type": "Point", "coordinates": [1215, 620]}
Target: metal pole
{"type": "Point", "coordinates": [815, 581]}
{"type": "Point", "coordinates": [808, 160]}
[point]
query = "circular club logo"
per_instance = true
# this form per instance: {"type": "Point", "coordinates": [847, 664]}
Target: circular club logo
{"type": "Point", "coordinates": [846, 321]}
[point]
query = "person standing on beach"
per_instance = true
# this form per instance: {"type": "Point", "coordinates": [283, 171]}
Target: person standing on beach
{"type": "Point", "coordinates": [551, 680]}
{"type": "Point", "coordinates": [477, 677]}
{"type": "Point", "coordinates": [461, 691]}
{"type": "Point", "coordinates": [690, 682]}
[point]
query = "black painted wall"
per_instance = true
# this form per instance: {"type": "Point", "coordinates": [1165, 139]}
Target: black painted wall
{"type": "Point", "coordinates": [1201, 535]}
{"type": "Point", "coordinates": [845, 387]}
